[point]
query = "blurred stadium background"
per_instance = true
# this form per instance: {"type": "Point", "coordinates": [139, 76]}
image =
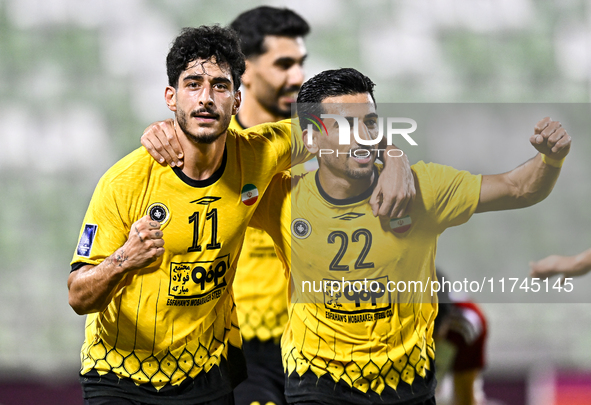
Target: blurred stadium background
{"type": "Point", "coordinates": [81, 79]}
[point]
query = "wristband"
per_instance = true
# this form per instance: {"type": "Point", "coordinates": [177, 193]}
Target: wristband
{"type": "Point", "coordinates": [553, 162]}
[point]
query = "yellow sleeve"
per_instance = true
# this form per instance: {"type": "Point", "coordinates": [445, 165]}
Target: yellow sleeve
{"type": "Point", "coordinates": [273, 215]}
{"type": "Point", "coordinates": [451, 195]}
{"type": "Point", "coordinates": [103, 229]}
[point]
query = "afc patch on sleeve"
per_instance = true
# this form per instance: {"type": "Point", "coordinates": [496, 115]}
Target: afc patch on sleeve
{"type": "Point", "coordinates": [86, 240]}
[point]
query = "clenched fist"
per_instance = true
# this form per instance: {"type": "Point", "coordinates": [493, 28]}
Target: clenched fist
{"type": "Point", "coordinates": [144, 245]}
{"type": "Point", "coordinates": [551, 139]}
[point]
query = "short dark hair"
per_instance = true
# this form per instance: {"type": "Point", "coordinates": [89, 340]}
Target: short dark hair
{"type": "Point", "coordinates": [205, 42]}
{"type": "Point", "coordinates": [331, 83]}
{"type": "Point", "coordinates": [254, 25]}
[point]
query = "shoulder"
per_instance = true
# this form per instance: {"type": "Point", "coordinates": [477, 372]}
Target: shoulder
{"type": "Point", "coordinates": [130, 170]}
{"type": "Point", "coordinates": [268, 131]}
{"type": "Point", "coordinates": [442, 176]}
{"type": "Point", "coordinates": [422, 169]}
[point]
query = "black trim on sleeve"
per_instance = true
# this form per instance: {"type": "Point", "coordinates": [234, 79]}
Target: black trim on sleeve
{"type": "Point", "coordinates": [78, 266]}
{"type": "Point", "coordinates": [207, 182]}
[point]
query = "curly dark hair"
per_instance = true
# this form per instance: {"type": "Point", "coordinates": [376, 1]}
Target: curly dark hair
{"type": "Point", "coordinates": [254, 25]}
{"type": "Point", "coordinates": [205, 42]}
{"type": "Point", "coordinates": [331, 83]}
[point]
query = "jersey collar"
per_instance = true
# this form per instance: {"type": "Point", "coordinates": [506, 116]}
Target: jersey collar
{"type": "Point", "coordinates": [207, 182]}
{"type": "Point", "coordinates": [351, 200]}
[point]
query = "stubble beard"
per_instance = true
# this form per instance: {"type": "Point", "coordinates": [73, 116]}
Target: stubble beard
{"type": "Point", "coordinates": [208, 139]}
{"type": "Point", "coordinates": [348, 172]}
{"type": "Point", "coordinates": [271, 103]}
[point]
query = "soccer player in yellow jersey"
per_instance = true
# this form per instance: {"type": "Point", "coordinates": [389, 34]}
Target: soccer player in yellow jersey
{"type": "Point", "coordinates": [366, 336]}
{"type": "Point", "coordinates": [272, 40]}
{"type": "Point", "coordinates": [158, 247]}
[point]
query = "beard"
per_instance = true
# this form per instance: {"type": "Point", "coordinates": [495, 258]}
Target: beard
{"type": "Point", "coordinates": [335, 165]}
{"type": "Point", "coordinates": [271, 102]}
{"type": "Point", "coordinates": [359, 173]}
{"type": "Point", "coordinates": [181, 117]}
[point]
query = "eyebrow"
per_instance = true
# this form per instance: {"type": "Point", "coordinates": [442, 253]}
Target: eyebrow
{"type": "Point", "coordinates": [216, 79]}
{"type": "Point", "coordinates": [351, 118]}
{"type": "Point", "coordinates": [284, 59]}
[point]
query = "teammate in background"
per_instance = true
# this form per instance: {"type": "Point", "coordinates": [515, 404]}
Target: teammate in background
{"type": "Point", "coordinates": [162, 325]}
{"type": "Point", "coordinates": [460, 336]}
{"type": "Point", "coordinates": [349, 348]}
{"type": "Point", "coordinates": [567, 266]}
{"type": "Point", "coordinates": [272, 40]}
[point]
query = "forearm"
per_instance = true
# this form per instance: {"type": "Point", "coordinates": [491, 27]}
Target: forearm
{"type": "Point", "coordinates": [533, 181]}
{"type": "Point", "coordinates": [91, 288]}
{"type": "Point", "coordinates": [523, 186]}
{"type": "Point", "coordinates": [582, 263]}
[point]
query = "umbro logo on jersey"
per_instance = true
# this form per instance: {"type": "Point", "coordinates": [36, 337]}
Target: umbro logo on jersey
{"type": "Point", "coordinates": [349, 216]}
{"type": "Point", "coordinates": [301, 228]}
{"type": "Point", "coordinates": [206, 200]}
{"type": "Point", "coordinates": [158, 212]}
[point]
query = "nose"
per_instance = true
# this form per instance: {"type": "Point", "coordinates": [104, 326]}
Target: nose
{"type": "Point", "coordinates": [205, 96]}
{"type": "Point", "coordinates": [295, 75]}
{"type": "Point", "coordinates": [362, 130]}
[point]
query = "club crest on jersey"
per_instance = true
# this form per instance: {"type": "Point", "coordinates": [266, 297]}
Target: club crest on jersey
{"type": "Point", "coordinates": [400, 225]}
{"type": "Point", "coordinates": [158, 212]}
{"type": "Point", "coordinates": [301, 228]}
{"type": "Point", "coordinates": [250, 194]}
{"type": "Point", "coordinates": [86, 240]}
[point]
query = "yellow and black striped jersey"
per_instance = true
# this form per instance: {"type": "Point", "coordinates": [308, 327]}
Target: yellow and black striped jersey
{"type": "Point", "coordinates": [174, 324]}
{"type": "Point", "coordinates": [346, 343]}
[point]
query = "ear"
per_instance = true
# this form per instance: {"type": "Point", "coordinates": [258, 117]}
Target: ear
{"type": "Point", "coordinates": [170, 97]}
{"type": "Point", "coordinates": [310, 140]}
{"type": "Point", "coordinates": [237, 102]}
{"type": "Point", "coordinates": [247, 76]}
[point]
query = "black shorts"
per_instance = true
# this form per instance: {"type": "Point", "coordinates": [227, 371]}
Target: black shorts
{"type": "Point", "coordinates": [266, 380]}
{"type": "Point", "coordinates": [430, 401]}
{"type": "Point", "coordinates": [225, 400]}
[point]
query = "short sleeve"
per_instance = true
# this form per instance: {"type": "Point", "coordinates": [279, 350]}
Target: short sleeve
{"type": "Point", "coordinates": [451, 195]}
{"type": "Point", "coordinates": [103, 230]}
{"type": "Point", "coordinates": [273, 215]}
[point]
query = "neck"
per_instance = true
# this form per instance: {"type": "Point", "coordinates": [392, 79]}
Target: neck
{"type": "Point", "coordinates": [201, 160]}
{"type": "Point", "coordinates": [340, 187]}
{"type": "Point", "coordinates": [253, 113]}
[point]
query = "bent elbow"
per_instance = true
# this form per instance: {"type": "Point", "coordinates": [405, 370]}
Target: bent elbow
{"type": "Point", "coordinates": [80, 306]}
{"type": "Point", "coordinates": [77, 305]}
{"type": "Point", "coordinates": [527, 199]}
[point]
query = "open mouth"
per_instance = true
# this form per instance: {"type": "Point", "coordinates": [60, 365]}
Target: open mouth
{"type": "Point", "coordinates": [362, 156]}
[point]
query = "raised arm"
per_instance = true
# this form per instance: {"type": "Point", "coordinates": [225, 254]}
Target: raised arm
{"type": "Point", "coordinates": [533, 181]}
{"type": "Point", "coordinates": [91, 288]}
{"type": "Point", "coordinates": [567, 266]}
